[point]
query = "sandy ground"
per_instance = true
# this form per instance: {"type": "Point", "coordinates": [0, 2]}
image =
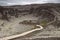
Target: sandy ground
{"type": "Point", "coordinates": [13, 27]}
{"type": "Point", "coordinates": [46, 34]}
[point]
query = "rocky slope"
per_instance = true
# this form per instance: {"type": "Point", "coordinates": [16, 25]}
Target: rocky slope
{"type": "Point", "coordinates": [43, 13]}
{"type": "Point", "coordinates": [37, 9]}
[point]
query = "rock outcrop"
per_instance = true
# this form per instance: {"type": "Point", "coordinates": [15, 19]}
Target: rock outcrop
{"type": "Point", "coordinates": [36, 9]}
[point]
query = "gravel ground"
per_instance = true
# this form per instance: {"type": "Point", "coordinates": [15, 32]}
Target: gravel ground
{"type": "Point", "coordinates": [51, 38]}
{"type": "Point", "coordinates": [13, 27]}
{"type": "Point", "coordinates": [50, 33]}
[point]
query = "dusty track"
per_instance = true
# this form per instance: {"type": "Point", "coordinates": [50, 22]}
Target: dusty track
{"type": "Point", "coordinates": [23, 34]}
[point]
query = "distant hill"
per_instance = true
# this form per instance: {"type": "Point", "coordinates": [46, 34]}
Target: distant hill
{"type": "Point", "coordinates": [16, 10]}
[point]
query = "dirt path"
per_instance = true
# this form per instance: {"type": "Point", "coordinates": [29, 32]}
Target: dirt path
{"type": "Point", "coordinates": [14, 27]}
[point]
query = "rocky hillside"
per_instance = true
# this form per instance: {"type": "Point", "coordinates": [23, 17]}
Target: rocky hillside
{"type": "Point", "coordinates": [44, 10]}
{"type": "Point", "coordinates": [17, 19]}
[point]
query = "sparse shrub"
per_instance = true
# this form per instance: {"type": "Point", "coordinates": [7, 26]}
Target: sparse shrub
{"type": "Point", "coordinates": [43, 23]}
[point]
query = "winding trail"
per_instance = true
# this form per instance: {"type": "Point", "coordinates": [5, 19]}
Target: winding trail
{"type": "Point", "coordinates": [23, 34]}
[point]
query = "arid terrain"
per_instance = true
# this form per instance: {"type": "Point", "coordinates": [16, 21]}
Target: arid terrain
{"type": "Point", "coordinates": [17, 19]}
